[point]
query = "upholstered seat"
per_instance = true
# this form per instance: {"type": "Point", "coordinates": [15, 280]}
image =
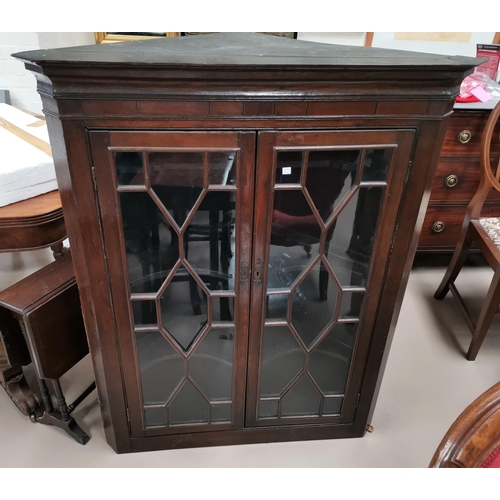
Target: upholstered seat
{"type": "Point", "coordinates": [492, 227]}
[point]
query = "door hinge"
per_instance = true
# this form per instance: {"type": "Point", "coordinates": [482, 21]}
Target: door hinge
{"type": "Point", "coordinates": [357, 399]}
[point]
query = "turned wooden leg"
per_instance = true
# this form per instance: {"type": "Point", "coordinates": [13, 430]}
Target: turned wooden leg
{"type": "Point", "coordinates": [57, 250]}
{"type": "Point", "coordinates": [456, 264]}
{"type": "Point", "coordinates": [486, 317]}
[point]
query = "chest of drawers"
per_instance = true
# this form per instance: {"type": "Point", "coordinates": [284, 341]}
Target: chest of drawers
{"type": "Point", "coordinates": [456, 181]}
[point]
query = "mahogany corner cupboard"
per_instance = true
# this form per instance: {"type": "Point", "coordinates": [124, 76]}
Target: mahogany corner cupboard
{"type": "Point", "coordinates": [243, 212]}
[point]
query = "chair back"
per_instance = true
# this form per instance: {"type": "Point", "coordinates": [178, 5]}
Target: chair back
{"type": "Point", "coordinates": [474, 438]}
{"type": "Point", "coordinates": [492, 176]}
{"type": "Point", "coordinates": [489, 176]}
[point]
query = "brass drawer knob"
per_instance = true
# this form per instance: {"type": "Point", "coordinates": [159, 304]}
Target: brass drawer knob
{"type": "Point", "coordinates": [451, 181]}
{"type": "Point", "coordinates": [465, 136]}
{"type": "Point", "coordinates": [438, 227]}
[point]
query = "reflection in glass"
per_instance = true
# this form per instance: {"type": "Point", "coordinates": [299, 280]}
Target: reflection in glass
{"type": "Point", "coordinates": [330, 176]}
{"type": "Point", "coordinates": [150, 242]}
{"type": "Point", "coordinates": [311, 314]}
{"type": "Point", "coordinates": [222, 169]}
{"type": "Point", "coordinates": [332, 406]}
{"type": "Point", "coordinates": [214, 356]}
{"type": "Point", "coordinates": [338, 211]}
{"type": "Point", "coordinates": [202, 224]}
{"type": "Point", "coordinates": [268, 409]}
{"type": "Point", "coordinates": [188, 407]}
{"type": "Point", "coordinates": [351, 244]}
{"type": "Point", "coordinates": [282, 360]}
{"type": "Point", "coordinates": [155, 417]}
{"type": "Point", "coordinates": [289, 167]}
{"type": "Point", "coordinates": [350, 307]}
{"type": "Point", "coordinates": [129, 168]}
{"type": "Point", "coordinates": [144, 312]}
{"type": "Point", "coordinates": [221, 413]}
{"type": "Point", "coordinates": [177, 179]}
{"type": "Point", "coordinates": [183, 308]}
{"type": "Point", "coordinates": [277, 306]}
{"type": "Point", "coordinates": [295, 235]}
{"type": "Point", "coordinates": [377, 162]}
{"type": "Point", "coordinates": [303, 399]}
{"type": "Point", "coordinates": [158, 361]}
{"type": "Point", "coordinates": [330, 360]}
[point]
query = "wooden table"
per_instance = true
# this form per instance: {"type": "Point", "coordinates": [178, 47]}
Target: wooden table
{"type": "Point", "coordinates": [34, 223]}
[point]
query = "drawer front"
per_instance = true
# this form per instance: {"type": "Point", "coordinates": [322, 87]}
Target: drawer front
{"type": "Point", "coordinates": [463, 136]}
{"type": "Point", "coordinates": [442, 224]}
{"type": "Point", "coordinates": [457, 180]}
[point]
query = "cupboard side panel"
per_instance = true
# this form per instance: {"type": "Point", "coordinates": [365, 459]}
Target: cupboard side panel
{"type": "Point", "coordinates": [74, 175]}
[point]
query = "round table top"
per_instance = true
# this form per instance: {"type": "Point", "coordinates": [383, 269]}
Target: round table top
{"type": "Point", "coordinates": [32, 207]}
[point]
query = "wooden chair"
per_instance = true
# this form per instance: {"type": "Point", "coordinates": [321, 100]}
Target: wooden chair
{"type": "Point", "coordinates": [485, 234]}
{"type": "Point", "coordinates": [474, 438]}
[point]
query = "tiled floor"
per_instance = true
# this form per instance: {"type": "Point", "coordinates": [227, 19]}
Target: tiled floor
{"type": "Point", "coordinates": [427, 384]}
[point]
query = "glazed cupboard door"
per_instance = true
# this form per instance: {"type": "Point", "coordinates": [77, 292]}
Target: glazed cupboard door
{"type": "Point", "coordinates": [177, 212]}
{"type": "Point", "coordinates": [325, 216]}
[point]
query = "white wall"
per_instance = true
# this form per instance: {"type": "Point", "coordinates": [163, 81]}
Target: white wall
{"type": "Point", "coordinates": [341, 38]}
{"type": "Point", "coordinates": [15, 78]}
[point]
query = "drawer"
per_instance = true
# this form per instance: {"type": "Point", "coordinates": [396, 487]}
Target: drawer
{"type": "Point", "coordinates": [465, 126]}
{"type": "Point", "coordinates": [451, 217]}
{"type": "Point", "coordinates": [457, 180]}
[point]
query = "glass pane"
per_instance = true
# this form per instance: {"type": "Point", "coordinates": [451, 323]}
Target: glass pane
{"type": "Point", "coordinates": [222, 169]}
{"type": "Point", "coordinates": [183, 308]}
{"type": "Point", "coordinates": [223, 310]}
{"type": "Point", "coordinates": [209, 240]}
{"type": "Point", "coordinates": [268, 409]}
{"type": "Point", "coordinates": [377, 162]}
{"type": "Point", "coordinates": [295, 235]}
{"type": "Point", "coordinates": [282, 360]}
{"type": "Point", "coordinates": [177, 179]}
{"type": "Point", "coordinates": [302, 400]}
{"type": "Point", "coordinates": [211, 365]}
{"type": "Point", "coordinates": [150, 242]}
{"type": "Point", "coordinates": [330, 176]}
{"type": "Point", "coordinates": [129, 168]}
{"type": "Point", "coordinates": [289, 167]}
{"type": "Point", "coordinates": [277, 306]}
{"type": "Point", "coordinates": [188, 407]}
{"type": "Point", "coordinates": [160, 365]}
{"type": "Point", "coordinates": [221, 413]}
{"type": "Point", "coordinates": [144, 313]}
{"type": "Point", "coordinates": [314, 303]}
{"type": "Point", "coordinates": [332, 406]}
{"type": "Point", "coordinates": [352, 234]}
{"type": "Point", "coordinates": [351, 305]}
{"type": "Point", "coordinates": [155, 417]}
{"type": "Point", "coordinates": [329, 362]}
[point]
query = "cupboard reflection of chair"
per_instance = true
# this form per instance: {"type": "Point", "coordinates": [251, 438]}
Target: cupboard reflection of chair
{"type": "Point", "coordinates": [176, 181]}
{"type": "Point", "coordinates": [485, 234]}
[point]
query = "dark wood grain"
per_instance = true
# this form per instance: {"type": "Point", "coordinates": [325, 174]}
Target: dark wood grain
{"type": "Point", "coordinates": [240, 50]}
{"type": "Point", "coordinates": [33, 223]}
{"type": "Point", "coordinates": [472, 232]}
{"type": "Point", "coordinates": [474, 435]}
{"type": "Point", "coordinates": [193, 92]}
{"type": "Point", "coordinates": [462, 161]}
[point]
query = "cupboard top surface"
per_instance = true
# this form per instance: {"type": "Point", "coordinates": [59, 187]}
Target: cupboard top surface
{"type": "Point", "coordinates": [239, 50]}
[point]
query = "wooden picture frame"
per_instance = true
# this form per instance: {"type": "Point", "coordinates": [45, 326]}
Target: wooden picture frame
{"type": "Point", "coordinates": [107, 37]}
